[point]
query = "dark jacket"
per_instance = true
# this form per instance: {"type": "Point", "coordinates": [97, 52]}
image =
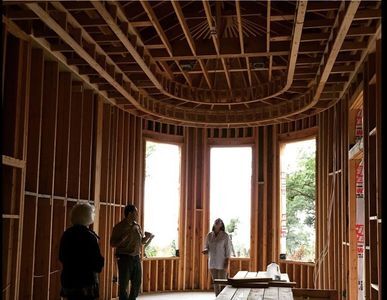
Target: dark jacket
{"type": "Point", "coordinates": [82, 261]}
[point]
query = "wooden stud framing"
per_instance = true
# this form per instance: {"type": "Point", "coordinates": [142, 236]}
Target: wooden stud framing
{"type": "Point", "coordinates": [66, 144]}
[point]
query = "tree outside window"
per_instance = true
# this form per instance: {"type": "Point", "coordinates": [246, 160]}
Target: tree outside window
{"type": "Point", "coordinates": [298, 193]}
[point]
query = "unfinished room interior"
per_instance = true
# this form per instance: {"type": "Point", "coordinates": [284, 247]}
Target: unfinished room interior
{"type": "Point", "coordinates": [264, 114]}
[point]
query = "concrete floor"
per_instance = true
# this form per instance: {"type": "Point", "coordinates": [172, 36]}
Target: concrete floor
{"type": "Point", "coordinates": [176, 295]}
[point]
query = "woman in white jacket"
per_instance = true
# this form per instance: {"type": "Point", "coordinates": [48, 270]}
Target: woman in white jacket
{"type": "Point", "coordinates": [219, 248]}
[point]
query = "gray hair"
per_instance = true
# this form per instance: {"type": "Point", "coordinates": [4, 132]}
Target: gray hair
{"type": "Point", "coordinates": [82, 214]}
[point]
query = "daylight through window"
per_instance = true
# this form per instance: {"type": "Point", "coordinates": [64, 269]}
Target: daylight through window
{"type": "Point", "coordinates": [162, 198]}
{"type": "Point", "coordinates": [298, 193]}
{"type": "Point", "coordinates": [230, 194]}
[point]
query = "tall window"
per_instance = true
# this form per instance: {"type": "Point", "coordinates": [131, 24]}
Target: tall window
{"type": "Point", "coordinates": [298, 189]}
{"type": "Point", "coordinates": [230, 194]}
{"type": "Point", "coordinates": [162, 198]}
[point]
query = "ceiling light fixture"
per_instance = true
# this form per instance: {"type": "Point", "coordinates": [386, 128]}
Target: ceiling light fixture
{"type": "Point", "coordinates": [258, 65]}
{"type": "Point", "coordinates": [186, 66]}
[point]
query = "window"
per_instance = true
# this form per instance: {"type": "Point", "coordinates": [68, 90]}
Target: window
{"type": "Point", "coordinates": [298, 189]}
{"type": "Point", "coordinates": [230, 194]}
{"type": "Point", "coordinates": [162, 198]}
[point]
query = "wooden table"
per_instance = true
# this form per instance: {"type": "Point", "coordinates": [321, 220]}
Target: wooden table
{"type": "Point", "coordinates": [271, 293]}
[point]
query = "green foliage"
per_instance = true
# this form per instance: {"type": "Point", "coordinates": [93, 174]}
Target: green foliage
{"type": "Point", "coordinates": [150, 149]}
{"type": "Point", "coordinates": [173, 248]}
{"type": "Point", "coordinates": [150, 251]}
{"type": "Point", "coordinates": [238, 249]}
{"type": "Point", "coordinates": [232, 226]}
{"type": "Point", "coordinates": [156, 251]}
{"type": "Point", "coordinates": [300, 209]}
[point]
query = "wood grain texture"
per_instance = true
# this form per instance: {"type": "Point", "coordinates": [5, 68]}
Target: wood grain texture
{"type": "Point", "coordinates": [71, 145]}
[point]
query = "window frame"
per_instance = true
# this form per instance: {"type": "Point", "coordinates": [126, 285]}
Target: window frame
{"type": "Point", "coordinates": [171, 140]}
{"type": "Point", "coordinates": [286, 138]}
{"type": "Point", "coordinates": [230, 143]}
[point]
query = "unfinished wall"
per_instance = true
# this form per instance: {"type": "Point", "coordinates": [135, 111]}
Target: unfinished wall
{"type": "Point", "coordinates": [333, 180]}
{"type": "Point", "coordinates": [48, 153]}
{"type": "Point", "coordinates": [60, 170]}
{"type": "Point", "coordinates": [14, 156]}
{"type": "Point", "coordinates": [121, 184]}
{"type": "Point", "coordinates": [120, 144]}
{"type": "Point", "coordinates": [373, 175]}
{"type": "Point", "coordinates": [63, 144]}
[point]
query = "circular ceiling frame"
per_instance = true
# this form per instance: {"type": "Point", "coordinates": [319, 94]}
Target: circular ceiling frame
{"type": "Point", "coordinates": [221, 118]}
{"type": "Point", "coordinates": [185, 93]}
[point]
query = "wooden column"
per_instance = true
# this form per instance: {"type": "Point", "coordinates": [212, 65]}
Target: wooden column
{"type": "Point", "coordinates": [98, 163]}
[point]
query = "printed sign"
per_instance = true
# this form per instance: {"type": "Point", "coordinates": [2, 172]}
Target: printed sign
{"type": "Point", "coordinates": [360, 228]}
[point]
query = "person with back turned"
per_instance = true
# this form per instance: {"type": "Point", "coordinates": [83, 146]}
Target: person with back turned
{"type": "Point", "coordinates": [127, 238]}
{"type": "Point", "coordinates": [80, 256]}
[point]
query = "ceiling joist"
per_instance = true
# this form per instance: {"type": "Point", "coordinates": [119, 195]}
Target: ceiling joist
{"type": "Point", "coordinates": [223, 63]}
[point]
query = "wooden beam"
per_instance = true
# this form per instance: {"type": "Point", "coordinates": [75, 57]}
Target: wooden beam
{"type": "Point", "coordinates": [306, 37]}
{"type": "Point", "coordinates": [13, 162]}
{"type": "Point", "coordinates": [297, 33]}
{"type": "Point", "coordinates": [214, 28]}
{"type": "Point", "coordinates": [167, 69]}
{"type": "Point", "coordinates": [133, 45]}
{"type": "Point", "coordinates": [240, 29]}
{"type": "Point", "coordinates": [142, 24]}
{"type": "Point", "coordinates": [343, 69]}
{"type": "Point", "coordinates": [361, 30]}
{"type": "Point", "coordinates": [123, 37]}
{"type": "Point", "coordinates": [70, 61]}
{"type": "Point", "coordinates": [205, 51]}
{"type": "Point", "coordinates": [205, 72]}
{"type": "Point", "coordinates": [49, 21]}
{"type": "Point", "coordinates": [150, 65]}
{"type": "Point", "coordinates": [268, 39]}
{"type": "Point", "coordinates": [249, 71]}
{"type": "Point", "coordinates": [190, 41]}
{"type": "Point", "coordinates": [243, 74]}
{"type": "Point", "coordinates": [279, 18]}
{"type": "Point", "coordinates": [240, 68]}
{"type": "Point", "coordinates": [368, 14]}
{"type": "Point", "coordinates": [359, 62]}
{"type": "Point", "coordinates": [241, 42]}
{"type": "Point", "coordinates": [154, 20]}
{"type": "Point", "coordinates": [98, 164]}
{"type": "Point", "coordinates": [343, 22]}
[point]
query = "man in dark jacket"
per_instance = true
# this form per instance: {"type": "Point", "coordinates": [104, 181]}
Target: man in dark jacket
{"type": "Point", "coordinates": [127, 238]}
{"type": "Point", "coordinates": [80, 256]}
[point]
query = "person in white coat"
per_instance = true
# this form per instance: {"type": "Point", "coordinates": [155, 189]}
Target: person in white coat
{"type": "Point", "coordinates": [219, 248]}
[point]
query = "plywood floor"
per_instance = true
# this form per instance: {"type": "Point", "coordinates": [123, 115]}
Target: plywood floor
{"type": "Point", "coordinates": [184, 295]}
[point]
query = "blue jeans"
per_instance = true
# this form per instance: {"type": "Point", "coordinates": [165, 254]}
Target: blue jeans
{"type": "Point", "coordinates": [129, 269]}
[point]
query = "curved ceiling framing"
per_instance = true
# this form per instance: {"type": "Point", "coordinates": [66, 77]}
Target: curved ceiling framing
{"type": "Point", "coordinates": [188, 93]}
{"type": "Point", "coordinates": [149, 78]}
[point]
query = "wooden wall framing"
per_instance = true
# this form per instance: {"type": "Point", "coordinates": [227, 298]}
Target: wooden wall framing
{"type": "Point", "coordinates": [373, 173]}
{"type": "Point", "coordinates": [48, 165]}
{"type": "Point", "coordinates": [66, 144]}
{"type": "Point", "coordinates": [14, 157]}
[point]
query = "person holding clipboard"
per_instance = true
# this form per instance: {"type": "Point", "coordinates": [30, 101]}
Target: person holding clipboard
{"type": "Point", "coordinates": [127, 238]}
